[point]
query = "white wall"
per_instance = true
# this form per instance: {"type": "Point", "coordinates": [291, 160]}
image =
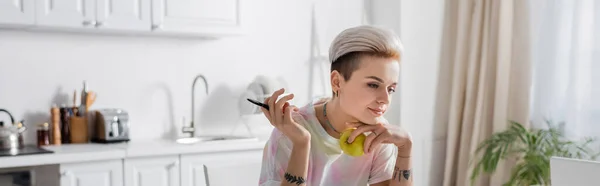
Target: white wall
{"type": "Point", "coordinates": [419, 24]}
{"type": "Point", "coordinates": [152, 77]}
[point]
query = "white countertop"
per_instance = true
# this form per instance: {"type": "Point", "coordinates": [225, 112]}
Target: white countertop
{"type": "Point", "coordinates": [72, 153]}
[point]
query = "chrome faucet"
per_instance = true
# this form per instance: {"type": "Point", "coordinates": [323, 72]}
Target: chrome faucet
{"type": "Point", "coordinates": [191, 129]}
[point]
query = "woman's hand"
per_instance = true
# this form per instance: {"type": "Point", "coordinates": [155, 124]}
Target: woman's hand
{"type": "Point", "coordinates": [384, 133]}
{"type": "Point", "coordinates": [280, 116]}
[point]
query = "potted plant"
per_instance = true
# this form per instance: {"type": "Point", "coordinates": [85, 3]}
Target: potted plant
{"type": "Point", "coordinates": [532, 150]}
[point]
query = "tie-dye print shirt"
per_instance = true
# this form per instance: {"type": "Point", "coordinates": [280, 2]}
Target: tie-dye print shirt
{"type": "Point", "coordinates": [327, 165]}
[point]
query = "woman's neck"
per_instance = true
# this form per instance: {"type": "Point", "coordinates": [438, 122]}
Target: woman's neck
{"type": "Point", "coordinates": [336, 116]}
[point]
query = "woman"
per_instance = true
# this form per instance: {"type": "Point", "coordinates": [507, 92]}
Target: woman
{"type": "Point", "coordinates": [303, 149]}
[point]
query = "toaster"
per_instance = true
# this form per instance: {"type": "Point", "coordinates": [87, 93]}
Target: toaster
{"type": "Point", "coordinates": [111, 126]}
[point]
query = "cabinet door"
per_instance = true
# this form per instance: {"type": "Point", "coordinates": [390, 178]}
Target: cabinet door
{"type": "Point", "coordinates": [204, 17]}
{"type": "Point", "coordinates": [152, 171]}
{"type": "Point", "coordinates": [17, 12]}
{"type": "Point", "coordinates": [66, 13]}
{"type": "Point", "coordinates": [123, 14]}
{"type": "Point", "coordinates": [232, 168]}
{"type": "Point", "coordinates": [101, 173]}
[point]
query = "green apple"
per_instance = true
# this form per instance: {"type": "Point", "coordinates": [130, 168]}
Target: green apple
{"type": "Point", "coordinates": [356, 148]}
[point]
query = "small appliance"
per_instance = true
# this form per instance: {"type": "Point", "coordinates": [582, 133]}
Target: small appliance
{"type": "Point", "coordinates": [111, 126]}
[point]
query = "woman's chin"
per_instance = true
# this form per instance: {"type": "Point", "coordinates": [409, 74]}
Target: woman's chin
{"type": "Point", "coordinates": [373, 120]}
{"type": "Point", "coordinates": [368, 118]}
{"type": "Point", "coordinates": [381, 120]}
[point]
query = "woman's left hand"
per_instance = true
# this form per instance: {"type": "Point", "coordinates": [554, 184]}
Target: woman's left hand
{"type": "Point", "coordinates": [382, 133]}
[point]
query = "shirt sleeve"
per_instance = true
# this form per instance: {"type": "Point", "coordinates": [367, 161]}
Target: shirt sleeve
{"type": "Point", "coordinates": [383, 165]}
{"type": "Point", "coordinates": [275, 159]}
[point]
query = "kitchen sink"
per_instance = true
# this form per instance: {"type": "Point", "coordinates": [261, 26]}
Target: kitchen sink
{"type": "Point", "coordinates": [200, 139]}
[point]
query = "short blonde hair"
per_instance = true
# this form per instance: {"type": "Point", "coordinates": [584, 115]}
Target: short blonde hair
{"type": "Point", "coordinates": [352, 43]}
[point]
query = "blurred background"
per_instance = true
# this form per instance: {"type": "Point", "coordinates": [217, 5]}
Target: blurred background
{"type": "Point", "coordinates": [471, 69]}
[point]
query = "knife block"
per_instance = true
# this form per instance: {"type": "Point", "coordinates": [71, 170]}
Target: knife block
{"type": "Point", "coordinates": [79, 129]}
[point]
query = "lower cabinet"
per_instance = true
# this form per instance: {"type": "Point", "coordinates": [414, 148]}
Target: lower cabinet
{"type": "Point", "coordinates": [232, 168]}
{"type": "Point", "coordinates": [100, 173]}
{"type": "Point", "coordinates": [214, 169]}
{"type": "Point", "coordinates": [152, 171]}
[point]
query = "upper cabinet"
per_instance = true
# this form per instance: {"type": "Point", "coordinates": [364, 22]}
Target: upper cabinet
{"type": "Point", "coordinates": [123, 14]}
{"type": "Point", "coordinates": [95, 14]}
{"type": "Point", "coordinates": [17, 12]}
{"type": "Point", "coordinates": [203, 17]}
{"type": "Point", "coordinates": [66, 13]}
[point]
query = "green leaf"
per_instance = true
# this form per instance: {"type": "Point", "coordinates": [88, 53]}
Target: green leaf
{"type": "Point", "coordinates": [533, 150]}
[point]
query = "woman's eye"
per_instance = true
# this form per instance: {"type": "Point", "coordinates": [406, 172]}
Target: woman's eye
{"type": "Point", "coordinates": [391, 90]}
{"type": "Point", "coordinates": [372, 85]}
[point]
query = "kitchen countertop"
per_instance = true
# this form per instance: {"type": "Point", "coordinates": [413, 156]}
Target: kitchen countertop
{"type": "Point", "coordinates": [72, 153]}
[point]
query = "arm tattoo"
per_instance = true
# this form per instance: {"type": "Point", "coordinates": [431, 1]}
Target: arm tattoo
{"type": "Point", "coordinates": [401, 174]}
{"type": "Point", "coordinates": [294, 179]}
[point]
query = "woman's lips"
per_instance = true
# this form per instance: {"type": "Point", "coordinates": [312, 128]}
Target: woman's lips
{"type": "Point", "coordinates": [377, 112]}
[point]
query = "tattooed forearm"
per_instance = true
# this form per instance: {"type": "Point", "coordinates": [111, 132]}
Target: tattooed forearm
{"type": "Point", "coordinates": [298, 180]}
{"type": "Point", "coordinates": [401, 175]}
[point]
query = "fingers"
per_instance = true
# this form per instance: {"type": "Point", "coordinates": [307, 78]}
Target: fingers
{"type": "Point", "coordinates": [280, 107]}
{"type": "Point", "coordinates": [370, 140]}
{"type": "Point", "coordinates": [287, 116]}
{"type": "Point", "coordinates": [271, 104]}
{"type": "Point", "coordinates": [277, 108]}
{"type": "Point", "coordinates": [293, 108]}
{"type": "Point", "coordinates": [282, 102]}
{"type": "Point", "coordinates": [376, 142]}
{"type": "Point", "coordinates": [361, 129]}
{"type": "Point", "coordinates": [267, 113]}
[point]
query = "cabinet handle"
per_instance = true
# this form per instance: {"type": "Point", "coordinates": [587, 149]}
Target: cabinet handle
{"type": "Point", "coordinates": [98, 24]}
{"type": "Point", "coordinates": [206, 175]}
{"type": "Point", "coordinates": [156, 27]}
{"type": "Point", "coordinates": [66, 173]}
{"type": "Point", "coordinates": [174, 164]}
{"type": "Point", "coordinates": [87, 23]}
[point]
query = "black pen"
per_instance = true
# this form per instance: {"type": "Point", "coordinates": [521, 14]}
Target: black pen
{"type": "Point", "coordinates": [258, 103]}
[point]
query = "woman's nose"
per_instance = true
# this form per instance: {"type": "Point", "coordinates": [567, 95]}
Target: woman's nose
{"type": "Point", "coordinates": [383, 98]}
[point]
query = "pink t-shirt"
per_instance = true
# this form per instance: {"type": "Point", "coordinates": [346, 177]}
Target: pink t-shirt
{"type": "Point", "coordinates": [327, 165]}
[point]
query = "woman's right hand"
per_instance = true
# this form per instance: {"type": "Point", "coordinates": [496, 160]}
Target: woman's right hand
{"type": "Point", "coordinates": [280, 116]}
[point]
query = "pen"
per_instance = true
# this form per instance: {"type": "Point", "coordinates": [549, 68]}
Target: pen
{"type": "Point", "coordinates": [258, 103]}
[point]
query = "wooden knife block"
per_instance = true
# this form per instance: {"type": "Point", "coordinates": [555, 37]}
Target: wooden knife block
{"type": "Point", "coordinates": [79, 129]}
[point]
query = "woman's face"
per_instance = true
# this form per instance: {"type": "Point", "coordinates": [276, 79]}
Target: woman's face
{"type": "Point", "coordinates": [367, 94]}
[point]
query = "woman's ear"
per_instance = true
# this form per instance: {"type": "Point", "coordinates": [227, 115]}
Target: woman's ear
{"type": "Point", "coordinates": [336, 80]}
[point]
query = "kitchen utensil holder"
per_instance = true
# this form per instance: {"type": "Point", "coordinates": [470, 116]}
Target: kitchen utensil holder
{"type": "Point", "coordinates": [79, 129]}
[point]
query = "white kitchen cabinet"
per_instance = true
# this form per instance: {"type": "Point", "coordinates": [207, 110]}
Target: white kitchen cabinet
{"type": "Point", "coordinates": [66, 13]}
{"type": "Point", "coordinates": [99, 173]}
{"type": "Point", "coordinates": [198, 17]}
{"type": "Point", "coordinates": [195, 18]}
{"type": "Point", "coordinates": [152, 171]}
{"type": "Point", "coordinates": [17, 12]}
{"type": "Point", "coordinates": [226, 168]}
{"type": "Point", "coordinates": [94, 14]}
{"type": "Point", "coordinates": [123, 14]}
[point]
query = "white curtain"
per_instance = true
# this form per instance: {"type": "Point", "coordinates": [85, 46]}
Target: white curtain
{"type": "Point", "coordinates": [566, 64]}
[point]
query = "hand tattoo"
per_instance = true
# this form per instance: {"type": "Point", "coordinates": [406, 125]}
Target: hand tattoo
{"type": "Point", "coordinates": [294, 179]}
{"type": "Point", "coordinates": [401, 173]}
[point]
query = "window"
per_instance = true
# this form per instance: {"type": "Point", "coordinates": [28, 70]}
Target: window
{"type": "Point", "coordinates": [566, 63]}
